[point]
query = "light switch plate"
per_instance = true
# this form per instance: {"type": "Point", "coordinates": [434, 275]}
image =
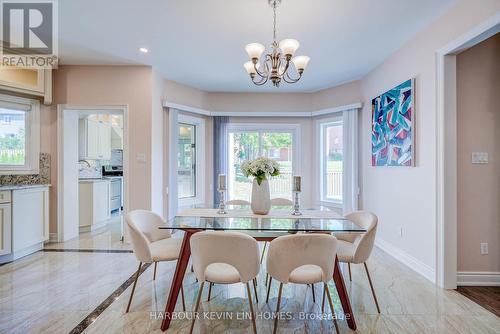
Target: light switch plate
{"type": "Point", "coordinates": [484, 248]}
{"type": "Point", "coordinates": [479, 157]}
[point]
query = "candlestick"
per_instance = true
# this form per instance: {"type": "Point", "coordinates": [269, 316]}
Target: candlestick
{"type": "Point", "coordinates": [221, 182]}
{"type": "Point", "coordinates": [222, 204]}
{"type": "Point", "coordinates": [297, 183]}
{"type": "Point", "coordinates": [296, 207]}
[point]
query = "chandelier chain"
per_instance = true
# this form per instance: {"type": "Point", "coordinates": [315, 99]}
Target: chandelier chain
{"type": "Point", "coordinates": [274, 19]}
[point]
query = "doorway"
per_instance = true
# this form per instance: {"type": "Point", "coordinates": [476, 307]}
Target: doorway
{"type": "Point", "coordinates": [92, 180]}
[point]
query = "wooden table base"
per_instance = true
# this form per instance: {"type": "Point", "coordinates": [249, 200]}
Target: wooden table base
{"type": "Point", "coordinates": [181, 267]}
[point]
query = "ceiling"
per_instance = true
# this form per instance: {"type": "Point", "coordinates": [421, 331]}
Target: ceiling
{"type": "Point", "coordinates": [201, 43]}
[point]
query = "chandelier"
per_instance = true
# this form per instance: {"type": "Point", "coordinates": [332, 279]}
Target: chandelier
{"type": "Point", "coordinates": [275, 66]}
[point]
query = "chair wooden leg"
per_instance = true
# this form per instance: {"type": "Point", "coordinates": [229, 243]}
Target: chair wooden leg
{"type": "Point", "coordinates": [371, 286]}
{"type": "Point", "coordinates": [154, 271]}
{"type": "Point", "coordinates": [277, 309]}
{"type": "Point", "coordinates": [255, 290]}
{"type": "Point", "coordinates": [196, 307]}
{"type": "Point", "coordinates": [251, 306]}
{"type": "Point", "coordinates": [314, 295]}
{"type": "Point", "coordinates": [263, 252]}
{"type": "Point", "coordinates": [133, 286]}
{"type": "Point", "coordinates": [183, 300]}
{"type": "Point", "coordinates": [267, 277]}
{"type": "Point", "coordinates": [323, 302]}
{"type": "Point", "coordinates": [349, 266]}
{"type": "Point", "coordinates": [209, 290]}
{"type": "Point", "coordinates": [332, 309]}
{"type": "Point", "coordinates": [269, 289]}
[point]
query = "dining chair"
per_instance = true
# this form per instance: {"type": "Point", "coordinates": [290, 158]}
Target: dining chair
{"type": "Point", "coordinates": [232, 202]}
{"type": "Point", "coordinates": [224, 258]}
{"type": "Point", "coordinates": [356, 248]}
{"type": "Point", "coordinates": [301, 259]}
{"type": "Point", "coordinates": [278, 201]}
{"type": "Point", "coordinates": [151, 244]}
{"type": "Point", "coordinates": [281, 201]}
{"type": "Point", "coordinates": [237, 202]}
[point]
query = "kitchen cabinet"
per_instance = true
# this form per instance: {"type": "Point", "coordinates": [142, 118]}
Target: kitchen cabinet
{"type": "Point", "coordinates": [116, 193]}
{"type": "Point", "coordinates": [5, 223]}
{"type": "Point", "coordinates": [35, 82]}
{"type": "Point", "coordinates": [94, 207]}
{"type": "Point", "coordinates": [24, 221]}
{"type": "Point", "coordinates": [94, 139]}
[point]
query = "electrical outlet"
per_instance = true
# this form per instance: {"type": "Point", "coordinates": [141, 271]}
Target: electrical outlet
{"type": "Point", "coordinates": [484, 248]}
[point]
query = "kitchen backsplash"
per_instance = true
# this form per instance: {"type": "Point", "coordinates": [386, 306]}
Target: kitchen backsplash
{"type": "Point", "coordinates": [42, 178]}
{"type": "Point", "coordinates": [89, 169]}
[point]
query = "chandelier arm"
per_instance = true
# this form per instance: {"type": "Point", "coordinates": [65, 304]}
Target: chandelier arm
{"type": "Point", "coordinates": [290, 79]}
{"type": "Point", "coordinates": [285, 69]}
{"type": "Point", "coordinates": [262, 82]}
{"type": "Point", "coordinates": [261, 74]}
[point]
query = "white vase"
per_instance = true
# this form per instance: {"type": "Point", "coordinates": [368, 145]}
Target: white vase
{"type": "Point", "coordinates": [261, 199]}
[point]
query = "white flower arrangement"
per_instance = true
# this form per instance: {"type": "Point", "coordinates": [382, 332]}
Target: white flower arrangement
{"type": "Point", "coordinates": [260, 168]}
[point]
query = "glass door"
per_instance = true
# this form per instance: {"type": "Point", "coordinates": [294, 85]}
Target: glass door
{"type": "Point", "coordinates": [250, 144]}
{"type": "Point", "coordinates": [186, 167]}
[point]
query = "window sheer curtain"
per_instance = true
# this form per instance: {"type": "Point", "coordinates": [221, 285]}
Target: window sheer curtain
{"type": "Point", "coordinates": [220, 151]}
{"type": "Point", "coordinates": [351, 185]}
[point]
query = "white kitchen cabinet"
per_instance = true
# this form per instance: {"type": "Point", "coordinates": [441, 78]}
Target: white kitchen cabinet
{"type": "Point", "coordinates": [94, 139]}
{"type": "Point", "coordinates": [30, 227]}
{"type": "Point", "coordinates": [94, 206]}
{"type": "Point", "coordinates": [5, 229]}
{"type": "Point", "coordinates": [37, 82]}
{"type": "Point", "coordinates": [24, 220]}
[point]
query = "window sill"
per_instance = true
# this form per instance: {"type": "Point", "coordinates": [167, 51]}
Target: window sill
{"type": "Point", "coordinates": [23, 171]}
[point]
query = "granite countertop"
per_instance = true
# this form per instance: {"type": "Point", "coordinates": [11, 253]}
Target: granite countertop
{"type": "Point", "coordinates": [22, 186]}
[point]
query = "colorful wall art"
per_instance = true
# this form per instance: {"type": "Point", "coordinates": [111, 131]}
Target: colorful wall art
{"type": "Point", "coordinates": [392, 126]}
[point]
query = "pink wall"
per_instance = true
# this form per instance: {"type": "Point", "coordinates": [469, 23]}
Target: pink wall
{"type": "Point", "coordinates": [105, 85]}
{"type": "Point", "coordinates": [405, 198]}
{"type": "Point", "coordinates": [478, 124]}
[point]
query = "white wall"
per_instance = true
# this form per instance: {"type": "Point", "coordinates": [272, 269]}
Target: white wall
{"type": "Point", "coordinates": [406, 197]}
{"type": "Point", "coordinates": [157, 143]}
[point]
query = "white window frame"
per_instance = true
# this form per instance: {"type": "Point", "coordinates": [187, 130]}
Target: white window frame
{"type": "Point", "coordinates": [32, 108]}
{"type": "Point", "coordinates": [200, 163]}
{"type": "Point", "coordinates": [294, 129]}
{"type": "Point", "coordinates": [321, 139]}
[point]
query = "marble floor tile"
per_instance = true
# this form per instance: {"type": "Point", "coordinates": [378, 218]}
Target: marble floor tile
{"type": "Point", "coordinates": [52, 292]}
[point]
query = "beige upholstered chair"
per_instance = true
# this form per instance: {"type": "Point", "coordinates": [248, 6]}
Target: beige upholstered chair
{"type": "Point", "coordinates": [281, 201]}
{"type": "Point", "coordinates": [278, 202]}
{"type": "Point", "coordinates": [237, 202]}
{"type": "Point", "coordinates": [302, 259]}
{"type": "Point", "coordinates": [224, 258]}
{"type": "Point", "coordinates": [150, 244]}
{"type": "Point", "coordinates": [356, 248]}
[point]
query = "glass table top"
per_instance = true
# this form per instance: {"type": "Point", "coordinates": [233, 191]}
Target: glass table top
{"type": "Point", "coordinates": [264, 224]}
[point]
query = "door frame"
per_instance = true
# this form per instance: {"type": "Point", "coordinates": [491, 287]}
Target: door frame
{"type": "Point", "coordinates": [446, 139]}
{"type": "Point", "coordinates": [62, 109]}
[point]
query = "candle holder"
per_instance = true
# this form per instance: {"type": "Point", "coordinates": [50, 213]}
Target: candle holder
{"type": "Point", "coordinates": [296, 206]}
{"type": "Point", "coordinates": [222, 204]}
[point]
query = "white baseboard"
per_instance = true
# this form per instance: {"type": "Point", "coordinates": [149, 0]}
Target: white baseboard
{"type": "Point", "coordinates": [408, 260]}
{"type": "Point", "coordinates": [478, 278]}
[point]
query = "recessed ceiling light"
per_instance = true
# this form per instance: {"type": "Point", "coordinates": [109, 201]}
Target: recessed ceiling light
{"type": "Point", "coordinates": [143, 50]}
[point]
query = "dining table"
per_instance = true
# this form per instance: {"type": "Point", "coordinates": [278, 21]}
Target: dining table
{"type": "Point", "coordinates": [279, 221]}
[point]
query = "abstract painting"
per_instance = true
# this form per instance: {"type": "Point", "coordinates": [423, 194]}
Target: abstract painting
{"type": "Point", "coordinates": [392, 127]}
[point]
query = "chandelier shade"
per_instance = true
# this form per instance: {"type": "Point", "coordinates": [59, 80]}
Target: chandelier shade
{"type": "Point", "coordinates": [277, 65]}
